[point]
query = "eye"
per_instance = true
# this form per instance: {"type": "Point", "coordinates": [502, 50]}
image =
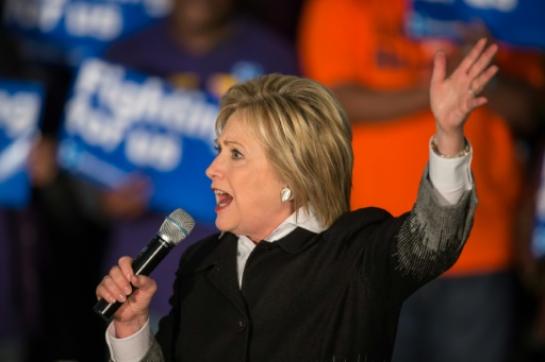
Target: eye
{"type": "Point", "coordinates": [217, 148]}
{"type": "Point", "coordinates": [236, 154]}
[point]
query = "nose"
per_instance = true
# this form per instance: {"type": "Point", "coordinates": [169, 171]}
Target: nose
{"type": "Point", "coordinates": [213, 170]}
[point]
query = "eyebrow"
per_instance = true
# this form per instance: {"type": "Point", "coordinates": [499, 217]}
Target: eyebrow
{"type": "Point", "coordinates": [228, 142]}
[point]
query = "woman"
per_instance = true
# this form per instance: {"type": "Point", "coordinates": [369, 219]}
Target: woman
{"type": "Point", "coordinates": [295, 276]}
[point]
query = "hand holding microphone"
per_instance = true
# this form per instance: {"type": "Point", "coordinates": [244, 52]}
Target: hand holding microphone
{"type": "Point", "coordinates": [125, 293]}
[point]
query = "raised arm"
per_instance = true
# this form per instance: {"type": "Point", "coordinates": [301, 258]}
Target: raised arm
{"type": "Point", "coordinates": [432, 236]}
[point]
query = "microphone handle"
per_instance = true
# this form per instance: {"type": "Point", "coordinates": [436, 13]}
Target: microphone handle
{"type": "Point", "coordinates": [143, 264]}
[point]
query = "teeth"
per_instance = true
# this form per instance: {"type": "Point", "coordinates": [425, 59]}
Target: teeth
{"type": "Point", "coordinates": [220, 201]}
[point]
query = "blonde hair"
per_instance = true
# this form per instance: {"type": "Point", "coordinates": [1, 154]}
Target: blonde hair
{"type": "Point", "coordinates": [306, 136]}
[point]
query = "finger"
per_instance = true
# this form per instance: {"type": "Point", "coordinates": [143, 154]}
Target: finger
{"type": "Point", "coordinates": [472, 56]}
{"type": "Point", "coordinates": [477, 102]}
{"type": "Point", "coordinates": [109, 284]}
{"type": "Point", "coordinates": [483, 61]}
{"type": "Point", "coordinates": [103, 293]}
{"type": "Point", "coordinates": [482, 80]}
{"type": "Point", "coordinates": [125, 264]}
{"type": "Point", "coordinates": [439, 68]}
{"type": "Point", "coordinates": [120, 280]}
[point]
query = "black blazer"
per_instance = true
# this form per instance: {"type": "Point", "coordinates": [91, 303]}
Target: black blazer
{"type": "Point", "coordinates": [333, 296]}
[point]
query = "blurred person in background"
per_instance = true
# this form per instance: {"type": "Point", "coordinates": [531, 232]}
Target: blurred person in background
{"type": "Point", "coordinates": [70, 232]}
{"type": "Point", "coordinates": [381, 76]}
{"type": "Point", "coordinates": [207, 45]}
{"type": "Point", "coordinates": [60, 228]}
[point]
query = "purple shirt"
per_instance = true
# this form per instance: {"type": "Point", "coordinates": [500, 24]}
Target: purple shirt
{"type": "Point", "coordinates": [251, 50]}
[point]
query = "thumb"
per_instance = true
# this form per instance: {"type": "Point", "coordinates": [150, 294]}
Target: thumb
{"type": "Point", "coordinates": [142, 282]}
{"type": "Point", "coordinates": [145, 286]}
{"type": "Point", "coordinates": [439, 68]}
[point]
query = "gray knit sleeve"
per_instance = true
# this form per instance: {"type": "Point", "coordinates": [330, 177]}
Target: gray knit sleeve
{"type": "Point", "coordinates": [155, 354]}
{"type": "Point", "coordinates": [432, 236]}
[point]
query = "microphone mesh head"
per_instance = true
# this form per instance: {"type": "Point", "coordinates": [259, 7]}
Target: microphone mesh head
{"type": "Point", "coordinates": [176, 227]}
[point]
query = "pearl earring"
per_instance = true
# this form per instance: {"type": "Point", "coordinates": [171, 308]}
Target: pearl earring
{"type": "Point", "coordinates": [286, 194]}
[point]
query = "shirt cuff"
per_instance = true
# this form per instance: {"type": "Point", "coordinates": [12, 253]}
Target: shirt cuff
{"type": "Point", "coordinates": [129, 349]}
{"type": "Point", "coordinates": [451, 177]}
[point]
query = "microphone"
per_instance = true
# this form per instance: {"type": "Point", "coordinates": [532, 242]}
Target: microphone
{"type": "Point", "coordinates": [173, 230]}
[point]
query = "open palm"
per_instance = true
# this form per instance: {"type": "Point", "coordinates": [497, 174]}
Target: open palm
{"type": "Point", "coordinates": [454, 97]}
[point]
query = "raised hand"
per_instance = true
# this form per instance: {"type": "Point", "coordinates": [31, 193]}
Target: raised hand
{"type": "Point", "coordinates": [454, 97]}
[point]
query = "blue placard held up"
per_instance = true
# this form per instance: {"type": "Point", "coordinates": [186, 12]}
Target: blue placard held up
{"type": "Point", "coordinates": [69, 31]}
{"type": "Point", "coordinates": [514, 22]}
{"type": "Point", "coordinates": [120, 122]}
{"type": "Point", "coordinates": [20, 105]}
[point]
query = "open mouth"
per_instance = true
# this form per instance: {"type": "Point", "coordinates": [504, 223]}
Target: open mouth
{"type": "Point", "coordinates": [223, 199]}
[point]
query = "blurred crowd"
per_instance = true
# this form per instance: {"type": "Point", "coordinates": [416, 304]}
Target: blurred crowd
{"type": "Point", "coordinates": [489, 307]}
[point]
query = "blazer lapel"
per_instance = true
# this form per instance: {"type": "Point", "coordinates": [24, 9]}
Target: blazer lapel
{"type": "Point", "coordinates": [223, 275]}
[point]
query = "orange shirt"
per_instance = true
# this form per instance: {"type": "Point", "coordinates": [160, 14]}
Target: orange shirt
{"type": "Point", "coordinates": [363, 41]}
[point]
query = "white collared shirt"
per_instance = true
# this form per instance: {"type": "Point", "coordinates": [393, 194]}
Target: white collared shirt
{"type": "Point", "coordinates": [449, 176]}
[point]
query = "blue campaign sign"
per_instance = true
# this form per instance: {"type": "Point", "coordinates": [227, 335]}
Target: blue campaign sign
{"type": "Point", "coordinates": [514, 22]}
{"type": "Point", "coordinates": [69, 31]}
{"type": "Point", "coordinates": [20, 106]}
{"type": "Point", "coordinates": [120, 122]}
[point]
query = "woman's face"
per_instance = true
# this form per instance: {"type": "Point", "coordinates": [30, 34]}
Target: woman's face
{"type": "Point", "coordinates": [246, 186]}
